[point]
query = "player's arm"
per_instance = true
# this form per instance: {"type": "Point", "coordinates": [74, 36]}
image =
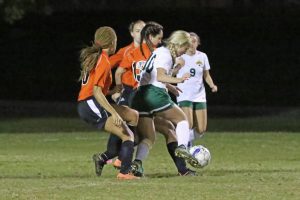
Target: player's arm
{"type": "Point", "coordinates": [118, 78]}
{"type": "Point", "coordinates": [179, 63]}
{"type": "Point", "coordinates": [163, 77]}
{"type": "Point", "coordinates": [209, 81]}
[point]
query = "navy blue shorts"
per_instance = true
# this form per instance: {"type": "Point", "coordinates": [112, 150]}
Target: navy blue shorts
{"type": "Point", "coordinates": [91, 112]}
{"type": "Point", "coordinates": [127, 95]}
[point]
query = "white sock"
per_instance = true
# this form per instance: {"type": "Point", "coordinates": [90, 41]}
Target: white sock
{"type": "Point", "coordinates": [192, 135]}
{"type": "Point", "coordinates": [182, 132]}
{"type": "Point", "coordinates": [142, 151]}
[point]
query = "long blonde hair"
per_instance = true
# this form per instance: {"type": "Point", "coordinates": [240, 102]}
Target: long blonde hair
{"type": "Point", "coordinates": [103, 39]}
{"type": "Point", "coordinates": [176, 40]}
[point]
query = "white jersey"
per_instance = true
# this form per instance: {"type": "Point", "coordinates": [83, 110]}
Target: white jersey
{"type": "Point", "coordinates": [193, 89]}
{"type": "Point", "coordinates": [160, 58]}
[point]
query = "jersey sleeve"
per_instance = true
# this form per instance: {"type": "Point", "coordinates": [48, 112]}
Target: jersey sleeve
{"type": "Point", "coordinates": [116, 58]}
{"type": "Point", "coordinates": [206, 63]}
{"type": "Point", "coordinates": [163, 60]}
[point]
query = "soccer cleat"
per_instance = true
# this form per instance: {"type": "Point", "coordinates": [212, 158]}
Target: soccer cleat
{"type": "Point", "coordinates": [137, 168]}
{"type": "Point", "coordinates": [127, 176]}
{"type": "Point", "coordinates": [117, 164]}
{"type": "Point", "coordinates": [99, 164]}
{"type": "Point", "coordinates": [182, 152]}
{"type": "Point", "coordinates": [189, 172]}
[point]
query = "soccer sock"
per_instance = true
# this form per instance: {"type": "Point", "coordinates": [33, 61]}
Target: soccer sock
{"type": "Point", "coordinates": [179, 162]}
{"type": "Point", "coordinates": [191, 138]}
{"type": "Point", "coordinates": [182, 132]}
{"type": "Point", "coordinates": [142, 151]}
{"type": "Point", "coordinates": [104, 157]}
{"type": "Point", "coordinates": [192, 135]}
{"type": "Point", "coordinates": [126, 155]}
{"type": "Point", "coordinates": [113, 146]}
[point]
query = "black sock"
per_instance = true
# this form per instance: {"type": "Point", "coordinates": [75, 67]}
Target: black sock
{"type": "Point", "coordinates": [104, 157]}
{"type": "Point", "coordinates": [179, 162]}
{"type": "Point", "coordinates": [138, 161]}
{"type": "Point", "coordinates": [126, 154]}
{"type": "Point", "coordinates": [113, 146]}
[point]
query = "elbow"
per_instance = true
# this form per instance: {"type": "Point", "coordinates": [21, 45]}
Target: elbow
{"type": "Point", "coordinates": [159, 78]}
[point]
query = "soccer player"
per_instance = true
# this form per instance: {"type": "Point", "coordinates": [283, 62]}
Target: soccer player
{"type": "Point", "coordinates": [152, 100]}
{"type": "Point", "coordinates": [192, 100]}
{"type": "Point", "coordinates": [93, 106]}
{"type": "Point", "coordinates": [133, 63]}
{"type": "Point", "coordinates": [114, 142]}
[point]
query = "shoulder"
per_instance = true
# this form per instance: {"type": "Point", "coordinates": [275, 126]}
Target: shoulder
{"type": "Point", "coordinates": [103, 59]}
{"type": "Point", "coordinates": [125, 49]}
{"type": "Point", "coordinates": [200, 53]}
{"type": "Point", "coordinates": [163, 52]}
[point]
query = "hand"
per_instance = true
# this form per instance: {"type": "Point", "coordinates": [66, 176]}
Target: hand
{"type": "Point", "coordinates": [174, 90]}
{"type": "Point", "coordinates": [214, 88]}
{"type": "Point", "coordinates": [179, 63]}
{"type": "Point", "coordinates": [117, 88]}
{"type": "Point", "coordinates": [117, 120]}
{"type": "Point", "coordinates": [115, 96]}
{"type": "Point", "coordinates": [185, 77]}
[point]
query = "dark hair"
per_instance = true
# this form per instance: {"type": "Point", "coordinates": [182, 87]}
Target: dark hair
{"type": "Point", "coordinates": [151, 28]}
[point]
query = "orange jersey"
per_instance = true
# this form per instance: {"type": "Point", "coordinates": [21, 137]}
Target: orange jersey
{"type": "Point", "coordinates": [100, 76]}
{"type": "Point", "coordinates": [134, 63]}
{"type": "Point", "coordinates": [117, 58]}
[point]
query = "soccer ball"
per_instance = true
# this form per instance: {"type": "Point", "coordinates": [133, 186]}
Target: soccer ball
{"type": "Point", "coordinates": [201, 154]}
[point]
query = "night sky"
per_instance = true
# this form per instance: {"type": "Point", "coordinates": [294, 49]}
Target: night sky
{"type": "Point", "coordinates": [253, 50]}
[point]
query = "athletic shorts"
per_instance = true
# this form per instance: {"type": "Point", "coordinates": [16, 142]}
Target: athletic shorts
{"type": "Point", "coordinates": [150, 99]}
{"type": "Point", "coordinates": [126, 97]}
{"type": "Point", "coordinates": [91, 112]}
{"type": "Point", "coordinates": [193, 105]}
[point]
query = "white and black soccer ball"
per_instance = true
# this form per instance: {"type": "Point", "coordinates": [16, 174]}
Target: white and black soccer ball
{"type": "Point", "coordinates": [201, 154]}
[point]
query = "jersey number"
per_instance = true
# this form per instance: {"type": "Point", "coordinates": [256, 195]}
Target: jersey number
{"type": "Point", "coordinates": [192, 72]}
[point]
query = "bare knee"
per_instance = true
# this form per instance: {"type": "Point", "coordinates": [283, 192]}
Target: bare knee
{"type": "Point", "coordinates": [132, 117]}
{"type": "Point", "coordinates": [168, 131]}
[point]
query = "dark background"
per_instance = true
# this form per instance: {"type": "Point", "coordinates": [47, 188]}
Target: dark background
{"type": "Point", "coordinates": [253, 50]}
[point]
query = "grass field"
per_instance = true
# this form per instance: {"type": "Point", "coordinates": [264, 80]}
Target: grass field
{"type": "Point", "coordinates": [51, 159]}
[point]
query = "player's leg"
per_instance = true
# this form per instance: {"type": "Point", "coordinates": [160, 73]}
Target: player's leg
{"type": "Point", "coordinates": [177, 117]}
{"type": "Point", "coordinates": [200, 119]}
{"type": "Point", "coordinates": [147, 136]}
{"type": "Point", "coordinates": [92, 112]}
{"type": "Point", "coordinates": [114, 144]}
{"type": "Point", "coordinates": [187, 108]}
{"type": "Point", "coordinates": [126, 152]}
{"type": "Point", "coordinates": [167, 129]}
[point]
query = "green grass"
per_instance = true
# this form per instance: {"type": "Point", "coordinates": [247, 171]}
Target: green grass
{"type": "Point", "coordinates": [248, 165]}
{"type": "Point", "coordinates": [277, 123]}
